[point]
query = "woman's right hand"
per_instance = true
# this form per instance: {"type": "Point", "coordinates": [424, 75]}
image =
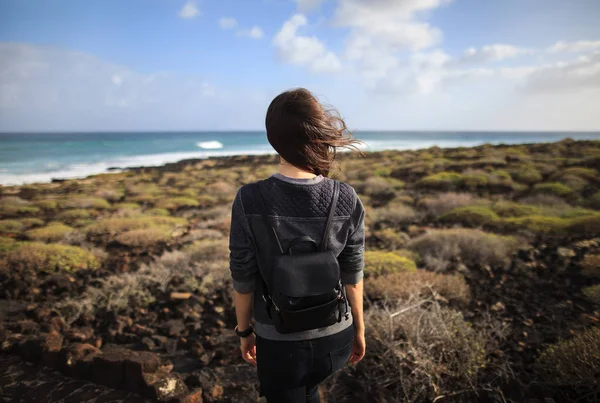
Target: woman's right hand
{"type": "Point", "coordinates": [359, 346]}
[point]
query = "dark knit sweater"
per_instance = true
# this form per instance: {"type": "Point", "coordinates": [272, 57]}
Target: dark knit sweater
{"type": "Point", "coordinates": [297, 206]}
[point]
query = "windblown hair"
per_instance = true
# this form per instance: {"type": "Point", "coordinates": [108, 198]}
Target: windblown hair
{"type": "Point", "coordinates": [305, 133]}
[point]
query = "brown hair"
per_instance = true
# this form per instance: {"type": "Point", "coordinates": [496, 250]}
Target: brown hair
{"type": "Point", "coordinates": [305, 133]}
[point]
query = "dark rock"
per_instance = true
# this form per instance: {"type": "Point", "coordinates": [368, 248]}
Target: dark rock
{"type": "Point", "coordinates": [119, 367]}
{"type": "Point", "coordinates": [160, 340]}
{"type": "Point", "coordinates": [80, 334]}
{"type": "Point", "coordinates": [142, 331]}
{"type": "Point", "coordinates": [147, 344]}
{"type": "Point", "coordinates": [57, 324]}
{"type": "Point", "coordinates": [173, 327]}
{"type": "Point", "coordinates": [59, 282]}
{"type": "Point", "coordinates": [170, 346]}
{"type": "Point", "coordinates": [76, 360]}
{"type": "Point", "coordinates": [168, 387]}
{"type": "Point", "coordinates": [191, 397]}
{"type": "Point", "coordinates": [46, 345]}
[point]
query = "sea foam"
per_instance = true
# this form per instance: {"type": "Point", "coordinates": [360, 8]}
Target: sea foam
{"type": "Point", "coordinates": [209, 144]}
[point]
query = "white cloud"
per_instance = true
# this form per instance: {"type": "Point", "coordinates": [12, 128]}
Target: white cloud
{"type": "Point", "coordinates": [254, 32]}
{"type": "Point", "coordinates": [189, 10]}
{"type": "Point", "coordinates": [308, 5]}
{"type": "Point", "coordinates": [492, 53]}
{"type": "Point", "coordinates": [577, 46]}
{"type": "Point", "coordinates": [306, 51]}
{"type": "Point", "coordinates": [52, 89]}
{"type": "Point", "coordinates": [227, 23]}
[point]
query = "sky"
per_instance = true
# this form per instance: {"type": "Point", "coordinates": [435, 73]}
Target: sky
{"type": "Point", "coordinates": [138, 65]}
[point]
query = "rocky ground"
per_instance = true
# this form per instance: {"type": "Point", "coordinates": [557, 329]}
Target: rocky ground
{"type": "Point", "coordinates": [116, 287]}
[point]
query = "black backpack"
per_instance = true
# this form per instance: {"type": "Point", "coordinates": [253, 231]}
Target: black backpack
{"type": "Point", "coordinates": [306, 289]}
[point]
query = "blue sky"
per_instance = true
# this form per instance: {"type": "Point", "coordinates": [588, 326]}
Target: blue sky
{"type": "Point", "coordinates": [216, 64]}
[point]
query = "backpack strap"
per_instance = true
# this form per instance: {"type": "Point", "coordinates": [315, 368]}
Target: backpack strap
{"type": "Point", "coordinates": [336, 192]}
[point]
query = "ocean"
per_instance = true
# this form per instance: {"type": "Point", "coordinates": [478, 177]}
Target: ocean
{"type": "Point", "coordinates": [40, 157]}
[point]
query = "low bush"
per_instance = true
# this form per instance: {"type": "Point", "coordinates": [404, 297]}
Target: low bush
{"type": "Point", "coordinates": [396, 214]}
{"type": "Point", "coordinates": [470, 216]}
{"type": "Point", "coordinates": [118, 225]}
{"type": "Point", "coordinates": [506, 208]}
{"type": "Point", "coordinates": [589, 174]}
{"type": "Point", "coordinates": [537, 224]}
{"type": "Point", "coordinates": [527, 174]}
{"type": "Point", "coordinates": [145, 237]}
{"type": "Point", "coordinates": [553, 188]}
{"type": "Point", "coordinates": [572, 362]}
{"type": "Point", "coordinates": [391, 239]}
{"type": "Point", "coordinates": [590, 265]}
{"type": "Point", "coordinates": [586, 226]}
{"type": "Point", "coordinates": [157, 212]}
{"type": "Point", "coordinates": [444, 202]}
{"type": "Point", "coordinates": [472, 247]}
{"type": "Point", "coordinates": [442, 180]}
{"type": "Point", "coordinates": [14, 206]}
{"type": "Point", "coordinates": [404, 285]}
{"type": "Point", "coordinates": [32, 222]}
{"type": "Point", "coordinates": [46, 204]}
{"type": "Point", "coordinates": [594, 201]}
{"type": "Point", "coordinates": [207, 249]}
{"type": "Point", "coordinates": [126, 206]}
{"type": "Point", "coordinates": [425, 352]}
{"type": "Point", "coordinates": [11, 226]}
{"type": "Point", "coordinates": [84, 202]}
{"type": "Point", "coordinates": [7, 244]}
{"type": "Point", "coordinates": [175, 203]}
{"type": "Point", "coordinates": [48, 258]}
{"type": "Point", "coordinates": [382, 262]}
{"type": "Point", "coordinates": [52, 232]}
{"type": "Point", "coordinates": [592, 293]}
{"type": "Point", "coordinates": [73, 214]}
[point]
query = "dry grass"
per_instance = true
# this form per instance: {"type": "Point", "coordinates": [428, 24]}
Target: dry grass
{"type": "Point", "coordinates": [418, 351]}
{"type": "Point", "coordinates": [396, 214]}
{"type": "Point", "coordinates": [438, 248]}
{"type": "Point", "coordinates": [391, 239]}
{"type": "Point", "coordinates": [145, 237]}
{"type": "Point", "coordinates": [573, 362]}
{"type": "Point", "coordinates": [421, 283]}
{"type": "Point", "coordinates": [444, 202]}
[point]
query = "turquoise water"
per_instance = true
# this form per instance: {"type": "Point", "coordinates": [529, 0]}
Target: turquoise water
{"type": "Point", "coordinates": [39, 157]}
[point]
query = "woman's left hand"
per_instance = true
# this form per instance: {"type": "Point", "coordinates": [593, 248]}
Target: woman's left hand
{"type": "Point", "coordinates": [248, 348]}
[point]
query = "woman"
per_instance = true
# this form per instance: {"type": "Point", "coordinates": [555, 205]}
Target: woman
{"type": "Point", "coordinates": [291, 366]}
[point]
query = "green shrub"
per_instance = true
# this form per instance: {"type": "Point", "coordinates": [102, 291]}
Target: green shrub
{"type": "Point", "coordinates": [473, 247]}
{"type": "Point", "coordinates": [536, 224]}
{"type": "Point", "coordinates": [87, 202]}
{"type": "Point", "coordinates": [442, 180]}
{"type": "Point", "coordinates": [592, 293]}
{"type": "Point", "coordinates": [175, 203]}
{"type": "Point", "coordinates": [207, 250]}
{"type": "Point", "coordinates": [32, 222]}
{"type": "Point", "coordinates": [470, 216]}
{"type": "Point", "coordinates": [7, 244]}
{"type": "Point", "coordinates": [528, 175]}
{"type": "Point", "coordinates": [585, 173]}
{"type": "Point", "coordinates": [585, 226]}
{"type": "Point", "coordinates": [391, 239]}
{"type": "Point", "coordinates": [572, 362]}
{"type": "Point", "coordinates": [73, 214]}
{"type": "Point", "coordinates": [117, 225]}
{"type": "Point", "coordinates": [50, 233]}
{"type": "Point", "coordinates": [553, 188]}
{"type": "Point", "coordinates": [157, 212]}
{"type": "Point", "coordinates": [12, 206]}
{"type": "Point", "coordinates": [48, 205]}
{"type": "Point", "coordinates": [126, 206]}
{"type": "Point", "coordinates": [48, 258]}
{"type": "Point", "coordinates": [594, 201]}
{"type": "Point", "coordinates": [145, 237]}
{"type": "Point", "coordinates": [383, 262]}
{"type": "Point", "coordinates": [505, 208]}
{"type": "Point", "coordinates": [11, 226]}
{"type": "Point", "coordinates": [474, 180]}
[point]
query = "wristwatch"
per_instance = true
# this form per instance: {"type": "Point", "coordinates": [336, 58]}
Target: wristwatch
{"type": "Point", "coordinates": [245, 333]}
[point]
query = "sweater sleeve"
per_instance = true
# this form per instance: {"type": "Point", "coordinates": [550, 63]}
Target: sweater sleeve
{"type": "Point", "coordinates": [351, 259]}
{"type": "Point", "coordinates": [242, 256]}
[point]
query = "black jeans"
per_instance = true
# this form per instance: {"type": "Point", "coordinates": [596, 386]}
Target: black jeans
{"type": "Point", "coordinates": [291, 371]}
